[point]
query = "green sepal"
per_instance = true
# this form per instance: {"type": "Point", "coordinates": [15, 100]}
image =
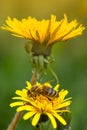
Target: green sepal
{"type": "Point", "coordinates": [28, 47]}
{"type": "Point", "coordinates": [41, 61]}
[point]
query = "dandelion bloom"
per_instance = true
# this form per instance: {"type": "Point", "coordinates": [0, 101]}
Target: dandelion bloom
{"type": "Point", "coordinates": [37, 103]}
{"type": "Point", "coordinates": [44, 31]}
{"type": "Point", "coordinates": [41, 35]}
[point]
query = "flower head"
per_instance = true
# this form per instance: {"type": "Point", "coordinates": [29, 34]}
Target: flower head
{"type": "Point", "coordinates": [42, 99]}
{"type": "Point", "coordinates": [44, 31]}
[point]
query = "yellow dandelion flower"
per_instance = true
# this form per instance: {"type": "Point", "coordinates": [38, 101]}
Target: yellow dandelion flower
{"type": "Point", "coordinates": [42, 34]}
{"type": "Point", "coordinates": [44, 31]}
{"type": "Point", "coordinates": [40, 100]}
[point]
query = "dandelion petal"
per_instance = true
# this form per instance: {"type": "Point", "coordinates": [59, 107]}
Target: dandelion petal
{"type": "Point", "coordinates": [53, 121]}
{"type": "Point", "coordinates": [28, 115]}
{"type": "Point", "coordinates": [36, 119]}
{"type": "Point", "coordinates": [60, 118]}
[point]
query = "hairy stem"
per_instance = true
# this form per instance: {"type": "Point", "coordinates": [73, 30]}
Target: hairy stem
{"type": "Point", "coordinates": [14, 121]}
{"type": "Point", "coordinates": [33, 79]}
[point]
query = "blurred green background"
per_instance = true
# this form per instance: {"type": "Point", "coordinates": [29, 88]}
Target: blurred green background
{"type": "Point", "coordinates": [70, 58]}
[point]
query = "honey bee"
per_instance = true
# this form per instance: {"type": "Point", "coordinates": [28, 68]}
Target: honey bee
{"type": "Point", "coordinates": [34, 91]}
{"type": "Point", "coordinates": [50, 92]}
{"type": "Point", "coordinates": [43, 90]}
